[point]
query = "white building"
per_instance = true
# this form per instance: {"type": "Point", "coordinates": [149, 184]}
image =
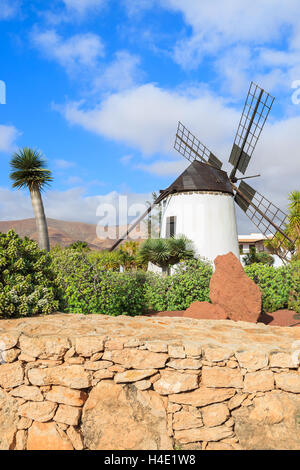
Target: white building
{"type": "Point", "coordinates": [255, 240]}
{"type": "Point", "coordinates": [200, 205]}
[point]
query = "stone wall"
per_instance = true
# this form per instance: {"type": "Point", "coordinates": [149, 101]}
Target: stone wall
{"type": "Point", "coordinates": [96, 382]}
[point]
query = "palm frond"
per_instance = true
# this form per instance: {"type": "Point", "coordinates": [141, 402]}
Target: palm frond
{"type": "Point", "coordinates": [29, 170]}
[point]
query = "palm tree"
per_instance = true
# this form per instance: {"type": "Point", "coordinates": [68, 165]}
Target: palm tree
{"type": "Point", "coordinates": [28, 171]}
{"type": "Point", "coordinates": [165, 252]}
{"type": "Point", "coordinates": [279, 245]}
{"type": "Point", "coordinates": [293, 227]}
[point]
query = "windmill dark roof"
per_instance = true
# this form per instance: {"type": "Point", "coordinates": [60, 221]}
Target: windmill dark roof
{"type": "Point", "coordinates": [201, 177]}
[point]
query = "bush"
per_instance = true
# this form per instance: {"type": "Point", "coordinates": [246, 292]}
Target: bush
{"type": "Point", "coordinates": [294, 294]}
{"type": "Point", "coordinates": [79, 245]}
{"type": "Point", "coordinates": [89, 288]}
{"type": "Point", "coordinates": [258, 257]}
{"type": "Point", "coordinates": [27, 282]}
{"type": "Point", "coordinates": [189, 283]}
{"type": "Point", "coordinates": [90, 285]}
{"type": "Point", "coordinates": [109, 260]}
{"type": "Point", "coordinates": [279, 286]}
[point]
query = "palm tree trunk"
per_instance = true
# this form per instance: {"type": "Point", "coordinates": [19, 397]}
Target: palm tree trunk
{"type": "Point", "coordinates": [40, 219]}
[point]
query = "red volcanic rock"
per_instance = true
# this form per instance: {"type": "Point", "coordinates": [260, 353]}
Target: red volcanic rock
{"type": "Point", "coordinates": [205, 311]}
{"type": "Point", "coordinates": [234, 291]}
{"type": "Point", "coordinates": [281, 318]}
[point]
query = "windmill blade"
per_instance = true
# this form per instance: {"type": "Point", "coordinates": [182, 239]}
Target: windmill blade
{"type": "Point", "coordinates": [136, 222]}
{"type": "Point", "coordinates": [267, 217]}
{"type": "Point", "coordinates": [256, 110]}
{"type": "Point", "coordinates": [192, 149]}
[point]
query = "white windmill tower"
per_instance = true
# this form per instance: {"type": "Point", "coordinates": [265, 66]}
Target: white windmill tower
{"type": "Point", "coordinates": [200, 202]}
{"type": "Point", "coordinates": [200, 205]}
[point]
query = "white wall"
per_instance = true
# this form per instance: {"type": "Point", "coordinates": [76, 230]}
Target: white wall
{"type": "Point", "coordinates": [208, 219]}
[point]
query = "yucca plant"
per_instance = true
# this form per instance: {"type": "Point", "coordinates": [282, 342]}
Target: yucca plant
{"type": "Point", "coordinates": [279, 245]}
{"type": "Point", "coordinates": [29, 171]}
{"type": "Point", "coordinates": [293, 228]}
{"type": "Point", "coordinates": [165, 252]}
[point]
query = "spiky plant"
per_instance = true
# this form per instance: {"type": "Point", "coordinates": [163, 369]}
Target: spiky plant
{"type": "Point", "coordinates": [293, 228]}
{"type": "Point", "coordinates": [166, 252]}
{"type": "Point", "coordinates": [279, 245]}
{"type": "Point", "coordinates": [29, 171]}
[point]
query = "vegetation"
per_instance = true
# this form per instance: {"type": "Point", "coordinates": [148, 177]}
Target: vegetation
{"type": "Point", "coordinates": [280, 286]}
{"type": "Point", "coordinates": [128, 256]}
{"type": "Point", "coordinates": [165, 252]}
{"type": "Point", "coordinates": [279, 245]}
{"type": "Point", "coordinates": [258, 257]}
{"type": "Point", "coordinates": [79, 245]}
{"type": "Point", "coordinates": [293, 228]}
{"type": "Point", "coordinates": [29, 171]}
{"type": "Point", "coordinates": [28, 284]}
{"type": "Point", "coordinates": [91, 288]}
{"type": "Point", "coordinates": [189, 283]}
{"type": "Point", "coordinates": [78, 280]}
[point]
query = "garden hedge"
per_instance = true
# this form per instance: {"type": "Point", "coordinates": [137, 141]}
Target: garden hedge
{"type": "Point", "coordinates": [77, 281]}
{"type": "Point", "coordinates": [28, 284]}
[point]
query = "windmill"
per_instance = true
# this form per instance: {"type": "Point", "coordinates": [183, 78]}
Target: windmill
{"type": "Point", "coordinates": [200, 202]}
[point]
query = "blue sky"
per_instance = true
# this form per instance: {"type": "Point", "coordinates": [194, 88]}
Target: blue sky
{"type": "Point", "coordinates": [99, 85]}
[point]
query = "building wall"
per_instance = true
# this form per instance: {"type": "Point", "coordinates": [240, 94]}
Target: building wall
{"type": "Point", "coordinates": [206, 218]}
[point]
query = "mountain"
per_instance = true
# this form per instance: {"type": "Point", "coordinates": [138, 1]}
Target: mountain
{"type": "Point", "coordinates": [64, 233]}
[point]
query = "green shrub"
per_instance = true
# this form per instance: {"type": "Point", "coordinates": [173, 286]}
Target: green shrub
{"type": "Point", "coordinates": [189, 283]}
{"type": "Point", "coordinates": [27, 282]}
{"type": "Point", "coordinates": [258, 257]}
{"type": "Point", "coordinates": [294, 294]}
{"type": "Point", "coordinates": [79, 245]}
{"type": "Point", "coordinates": [90, 284]}
{"type": "Point", "coordinates": [90, 288]}
{"type": "Point", "coordinates": [109, 260]}
{"type": "Point", "coordinates": [279, 286]}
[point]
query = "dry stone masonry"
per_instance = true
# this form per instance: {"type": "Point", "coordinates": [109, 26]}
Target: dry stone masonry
{"type": "Point", "coordinates": [95, 382]}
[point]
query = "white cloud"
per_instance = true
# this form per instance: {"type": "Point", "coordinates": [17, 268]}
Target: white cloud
{"type": "Point", "coordinates": [71, 205]}
{"type": "Point", "coordinates": [8, 9]}
{"type": "Point", "coordinates": [126, 159]}
{"type": "Point", "coordinates": [146, 117]}
{"type": "Point", "coordinates": [14, 205]}
{"type": "Point", "coordinates": [134, 7]}
{"type": "Point", "coordinates": [80, 55]}
{"type": "Point", "coordinates": [242, 39]}
{"type": "Point", "coordinates": [8, 137]}
{"type": "Point", "coordinates": [165, 167]}
{"type": "Point", "coordinates": [217, 23]}
{"type": "Point", "coordinates": [74, 180]}
{"type": "Point", "coordinates": [120, 74]}
{"type": "Point", "coordinates": [72, 10]}
{"type": "Point", "coordinates": [81, 7]}
{"type": "Point", "coordinates": [80, 50]}
{"type": "Point", "coordinates": [64, 164]}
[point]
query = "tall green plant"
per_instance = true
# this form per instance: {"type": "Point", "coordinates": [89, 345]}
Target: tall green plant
{"type": "Point", "coordinates": [279, 245]}
{"type": "Point", "coordinates": [29, 171]}
{"type": "Point", "coordinates": [165, 252]}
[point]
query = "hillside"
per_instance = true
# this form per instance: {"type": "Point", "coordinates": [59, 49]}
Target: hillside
{"type": "Point", "coordinates": [64, 233]}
